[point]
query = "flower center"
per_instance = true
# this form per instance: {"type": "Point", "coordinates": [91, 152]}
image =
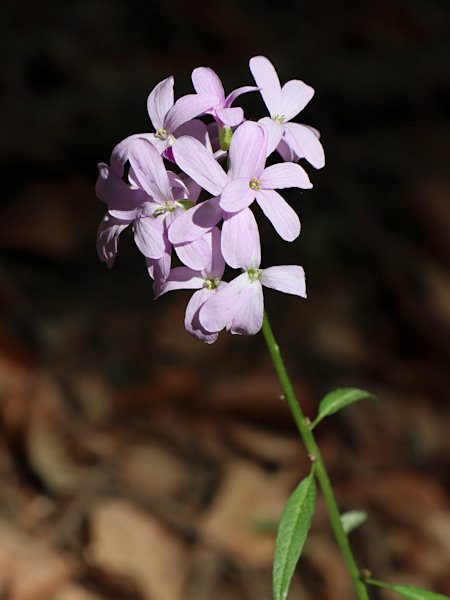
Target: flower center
{"type": "Point", "coordinates": [255, 184]}
{"type": "Point", "coordinates": [278, 118]}
{"type": "Point", "coordinates": [166, 208]}
{"type": "Point", "coordinates": [254, 274]}
{"type": "Point", "coordinates": [161, 134]}
{"type": "Point", "coordinates": [211, 284]}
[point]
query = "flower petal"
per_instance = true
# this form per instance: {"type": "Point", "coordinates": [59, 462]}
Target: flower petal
{"type": "Point", "coordinates": [149, 170]}
{"type": "Point", "coordinates": [274, 133]}
{"type": "Point", "coordinates": [219, 310]}
{"type": "Point", "coordinates": [305, 143]}
{"type": "Point", "coordinates": [148, 235]}
{"type": "Point", "coordinates": [236, 195]}
{"type": "Point", "coordinates": [119, 155]}
{"type": "Point", "coordinates": [183, 278]}
{"type": "Point", "coordinates": [237, 92]}
{"type": "Point", "coordinates": [186, 108]}
{"type": "Point", "coordinates": [295, 95]}
{"type": "Point", "coordinates": [285, 175]}
{"type": "Point", "coordinates": [124, 203]}
{"type": "Point", "coordinates": [248, 150]}
{"type": "Point", "coordinates": [217, 261]}
{"type": "Point", "coordinates": [195, 222]}
{"type": "Point", "coordinates": [198, 162]}
{"type": "Point", "coordinates": [240, 240]}
{"type": "Point", "coordinates": [196, 254]}
{"type": "Point", "coordinates": [206, 81]}
{"type": "Point", "coordinates": [282, 216]}
{"type": "Point", "coordinates": [160, 101]}
{"type": "Point", "coordinates": [191, 318]}
{"type": "Point", "coordinates": [266, 79]}
{"type": "Point", "coordinates": [196, 129]}
{"type": "Point", "coordinates": [248, 320]}
{"type": "Point", "coordinates": [230, 116]}
{"type": "Point", "coordinates": [289, 279]}
{"type": "Point", "coordinates": [108, 234]}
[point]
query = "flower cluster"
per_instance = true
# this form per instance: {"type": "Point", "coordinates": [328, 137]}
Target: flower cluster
{"type": "Point", "coordinates": [227, 158]}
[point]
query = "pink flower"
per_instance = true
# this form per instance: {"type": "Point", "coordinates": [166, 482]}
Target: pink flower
{"type": "Point", "coordinates": [292, 140]}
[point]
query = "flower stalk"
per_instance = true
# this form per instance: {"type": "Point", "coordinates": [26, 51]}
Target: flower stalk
{"type": "Point", "coordinates": [315, 456]}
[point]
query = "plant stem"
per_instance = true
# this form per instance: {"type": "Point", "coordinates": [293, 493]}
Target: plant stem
{"type": "Point", "coordinates": [315, 456]}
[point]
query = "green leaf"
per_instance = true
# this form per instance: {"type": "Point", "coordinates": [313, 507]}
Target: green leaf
{"type": "Point", "coordinates": [352, 519]}
{"type": "Point", "coordinates": [292, 531]}
{"type": "Point", "coordinates": [409, 592]}
{"type": "Point", "coordinates": [337, 399]}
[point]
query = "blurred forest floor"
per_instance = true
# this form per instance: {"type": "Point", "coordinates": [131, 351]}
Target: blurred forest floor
{"type": "Point", "coordinates": [139, 464]}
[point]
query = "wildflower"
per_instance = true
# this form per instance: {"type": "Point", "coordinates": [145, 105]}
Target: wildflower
{"type": "Point", "coordinates": [293, 140]}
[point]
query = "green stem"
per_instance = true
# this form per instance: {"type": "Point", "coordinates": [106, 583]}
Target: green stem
{"type": "Point", "coordinates": [314, 454]}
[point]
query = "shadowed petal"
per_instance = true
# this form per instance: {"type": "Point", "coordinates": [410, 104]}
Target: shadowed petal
{"type": "Point", "coordinates": [280, 214]}
{"type": "Point", "coordinates": [160, 101]}
{"type": "Point", "coordinates": [240, 240]}
{"type": "Point", "coordinates": [295, 95]}
{"type": "Point", "coordinates": [195, 222]}
{"type": "Point", "coordinates": [289, 279]}
{"type": "Point", "coordinates": [266, 79]}
{"type": "Point", "coordinates": [108, 234]}
{"type": "Point", "coordinates": [219, 310]}
{"type": "Point", "coordinates": [248, 320]}
{"type": "Point", "coordinates": [191, 318]}
{"type": "Point", "coordinates": [196, 129]}
{"type": "Point", "coordinates": [148, 235]}
{"type": "Point", "coordinates": [305, 143]}
{"type": "Point", "coordinates": [237, 92]}
{"type": "Point", "coordinates": [285, 175]}
{"type": "Point", "coordinates": [274, 133]}
{"type": "Point", "coordinates": [198, 162]}
{"type": "Point", "coordinates": [230, 116]}
{"type": "Point", "coordinates": [196, 254]}
{"type": "Point", "coordinates": [183, 278]}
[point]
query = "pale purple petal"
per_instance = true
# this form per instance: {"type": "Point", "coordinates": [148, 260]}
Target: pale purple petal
{"type": "Point", "coordinates": [198, 162]}
{"type": "Point", "coordinates": [183, 278]}
{"type": "Point", "coordinates": [237, 92]}
{"type": "Point", "coordinates": [191, 318]}
{"type": "Point", "coordinates": [282, 216]}
{"type": "Point", "coordinates": [206, 81]}
{"type": "Point", "coordinates": [285, 175]}
{"type": "Point", "coordinates": [197, 254]}
{"type": "Point", "coordinates": [305, 143]}
{"type": "Point", "coordinates": [295, 95]}
{"type": "Point", "coordinates": [240, 240]}
{"type": "Point", "coordinates": [108, 234]}
{"type": "Point", "coordinates": [159, 268]}
{"type": "Point", "coordinates": [230, 116]}
{"type": "Point", "coordinates": [149, 169]}
{"type": "Point", "coordinates": [217, 266]}
{"type": "Point", "coordinates": [148, 235]}
{"type": "Point", "coordinates": [289, 279]}
{"type": "Point", "coordinates": [196, 129]}
{"type": "Point", "coordinates": [160, 101]}
{"type": "Point", "coordinates": [119, 155]}
{"type": "Point", "coordinates": [186, 108]}
{"type": "Point", "coordinates": [248, 150]}
{"type": "Point", "coordinates": [286, 152]}
{"type": "Point", "coordinates": [178, 185]}
{"type": "Point", "coordinates": [274, 133]}
{"type": "Point", "coordinates": [236, 195]}
{"type": "Point", "coordinates": [219, 310]}
{"type": "Point", "coordinates": [266, 79]}
{"type": "Point", "coordinates": [123, 202]}
{"type": "Point", "coordinates": [248, 320]}
{"type": "Point", "coordinates": [195, 222]}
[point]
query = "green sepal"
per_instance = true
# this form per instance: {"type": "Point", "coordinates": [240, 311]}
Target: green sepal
{"type": "Point", "coordinates": [184, 204]}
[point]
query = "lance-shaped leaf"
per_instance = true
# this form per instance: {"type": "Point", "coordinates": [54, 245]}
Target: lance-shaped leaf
{"type": "Point", "coordinates": [338, 399]}
{"type": "Point", "coordinates": [352, 519]}
{"type": "Point", "coordinates": [292, 531]}
{"type": "Point", "coordinates": [409, 592]}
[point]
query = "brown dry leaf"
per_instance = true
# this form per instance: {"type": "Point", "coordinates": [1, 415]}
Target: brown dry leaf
{"type": "Point", "coordinates": [266, 445]}
{"type": "Point", "coordinates": [245, 513]}
{"type": "Point", "coordinates": [29, 568]}
{"type": "Point", "coordinates": [153, 469]}
{"type": "Point", "coordinates": [324, 556]}
{"type": "Point", "coordinates": [132, 543]}
{"type": "Point", "coordinates": [73, 591]}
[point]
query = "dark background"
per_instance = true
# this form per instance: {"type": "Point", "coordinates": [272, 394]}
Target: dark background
{"type": "Point", "coordinates": [374, 244]}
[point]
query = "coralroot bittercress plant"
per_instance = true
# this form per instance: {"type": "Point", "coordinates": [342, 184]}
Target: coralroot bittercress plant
{"type": "Point", "coordinates": [227, 159]}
